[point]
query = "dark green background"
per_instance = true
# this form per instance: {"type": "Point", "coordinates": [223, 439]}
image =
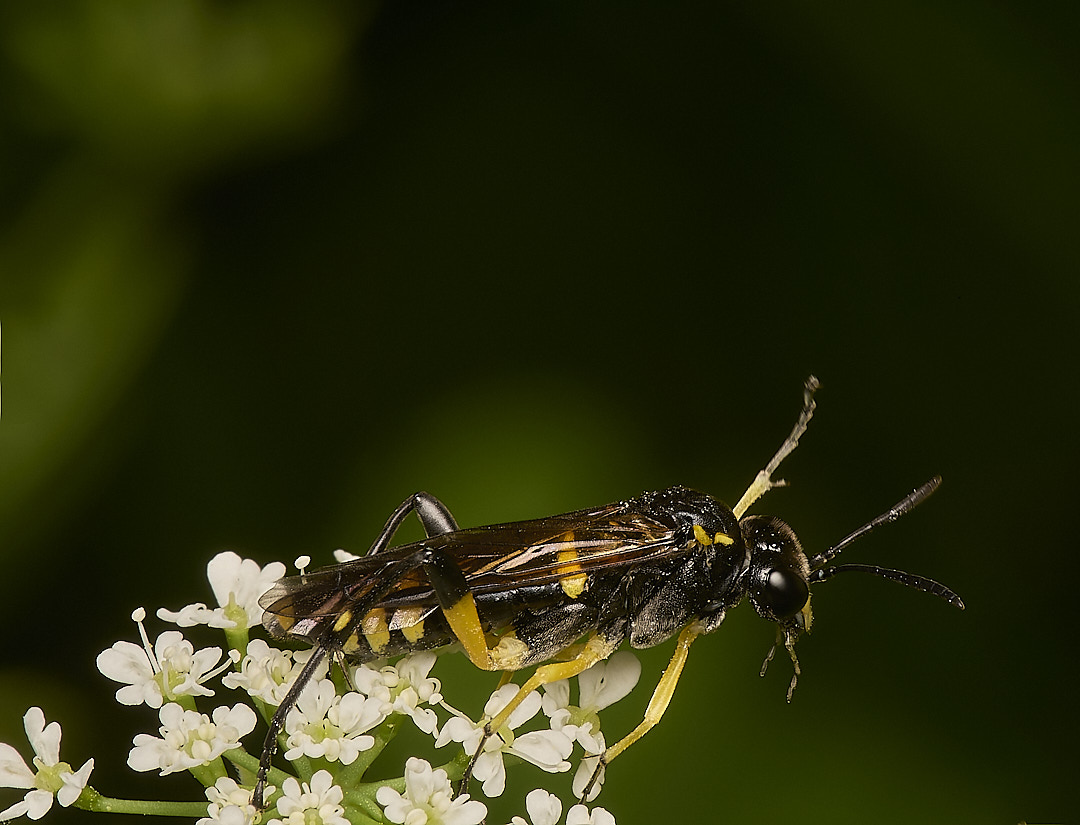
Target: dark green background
{"type": "Point", "coordinates": [266, 269]}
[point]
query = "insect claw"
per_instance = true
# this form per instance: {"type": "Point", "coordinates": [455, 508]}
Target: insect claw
{"type": "Point", "coordinates": [601, 764]}
{"type": "Point", "coordinates": [463, 785]}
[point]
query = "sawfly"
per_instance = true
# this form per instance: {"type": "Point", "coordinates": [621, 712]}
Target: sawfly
{"type": "Point", "coordinates": [564, 592]}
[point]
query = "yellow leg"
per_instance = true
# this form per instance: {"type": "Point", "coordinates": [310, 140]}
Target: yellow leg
{"type": "Point", "coordinates": [661, 697]}
{"type": "Point", "coordinates": [507, 675]}
{"type": "Point", "coordinates": [595, 650]}
{"type": "Point", "coordinates": [464, 621]}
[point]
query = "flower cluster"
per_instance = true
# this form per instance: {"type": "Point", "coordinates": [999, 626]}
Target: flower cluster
{"type": "Point", "coordinates": [51, 779]}
{"type": "Point", "coordinates": [338, 727]}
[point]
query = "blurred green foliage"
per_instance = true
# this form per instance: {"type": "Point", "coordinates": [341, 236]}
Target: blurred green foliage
{"type": "Point", "coordinates": [267, 268]}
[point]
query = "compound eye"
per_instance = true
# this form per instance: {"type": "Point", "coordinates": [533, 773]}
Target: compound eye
{"type": "Point", "coordinates": [785, 592]}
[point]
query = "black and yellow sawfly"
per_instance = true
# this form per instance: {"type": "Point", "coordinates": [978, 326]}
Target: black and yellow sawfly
{"type": "Point", "coordinates": [564, 592]}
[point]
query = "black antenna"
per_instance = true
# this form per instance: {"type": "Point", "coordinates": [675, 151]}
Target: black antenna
{"type": "Point", "coordinates": [905, 505]}
{"type": "Point", "coordinates": [910, 579]}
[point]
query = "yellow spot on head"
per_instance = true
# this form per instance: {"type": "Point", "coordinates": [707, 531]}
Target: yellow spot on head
{"type": "Point", "coordinates": [701, 536]}
{"type": "Point", "coordinates": [724, 539]}
{"type": "Point", "coordinates": [807, 614]}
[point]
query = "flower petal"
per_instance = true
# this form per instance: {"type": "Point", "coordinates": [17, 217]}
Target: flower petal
{"type": "Point", "coordinates": [45, 739]}
{"type": "Point", "coordinates": [38, 803]}
{"type": "Point", "coordinates": [544, 808]}
{"type": "Point", "coordinates": [14, 772]}
{"type": "Point", "coordinates": [528, 708]}
{"type": "Point", "coordinates": [547, 749]}
{"type": "Point", "coordinates": [491, 772]}
{"type": "Point", "coordinates": [74, 783]}
{"type": "Point", "coordinates": [556, 696]}
{"type": "Point", "coordinates": [607, 682]}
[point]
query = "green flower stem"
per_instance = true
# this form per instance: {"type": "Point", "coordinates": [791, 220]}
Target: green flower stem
{"type": "Point", "coordinates": [186, 701]}
{"type": "Point", "coordinates": [91, 800]}
{"type": "Point", "coordinates": [455, 768]}
{"type": "Point", "coordinates": [363, 796]}
{"type": "Point", "coordinates": [303, 767]}
{"type": "Point", "coordinates": [237, 638]}
{"type": "Point", "coordinates": [357, 818]}
{"type": "Point", "coordinates": [341, 679]}
{"type": "Point", "coordinates": [250, 764]}
{"type": "Point", "coordinates": [350, 775]}
{"type": "Point", "coordinates": [209, 773]}
{"type": "Point", "coordinates": [244, 760]}
{"type": "Point", "coordinates": [266, 711]}
{"type": "Point", "coordinates": [363, 799]}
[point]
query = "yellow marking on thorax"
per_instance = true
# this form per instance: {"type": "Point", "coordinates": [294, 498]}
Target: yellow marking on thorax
{"type": "Point", "coordinates": [705, 539]}
{"type": "Point", "coordinates": [375, 629]}
{"type": "Point", "coordinates": [573, 585]}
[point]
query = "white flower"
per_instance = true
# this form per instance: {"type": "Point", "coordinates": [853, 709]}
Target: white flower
{"type": "Point", "coordinates": [546, 749]}
{"type": "Point", "coordinates": [405, 687]}
{"type": "Point", "coordinates": [230, 804]}
{"type": "Point", "coordinates": [190, 739]}
{"type": "Point", "coordinates": [237, 584]}
{"type": "Point", "coordinates": [579, 815]}
{"type": "Point", "coordinates": [586, 770]}
{"type": "Point", "coordinates": [53, 777]}
{"type": "Point", "coordinates": [344, 555]}
{"type": "Point", "coordinates": [318, 803]}
{"type": "Point", "coordinates": [323, 724]}
{"type": "Point", "coordinates": [544, 809]}
{"type": "Point", "coordinates": [155, 675]}
{"type": "Point", "coordinates": [267, 673]}
{"type": "Point", "coordinates": [428, 799]}
{"type": "Point", "coordinates": [603, 684]}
